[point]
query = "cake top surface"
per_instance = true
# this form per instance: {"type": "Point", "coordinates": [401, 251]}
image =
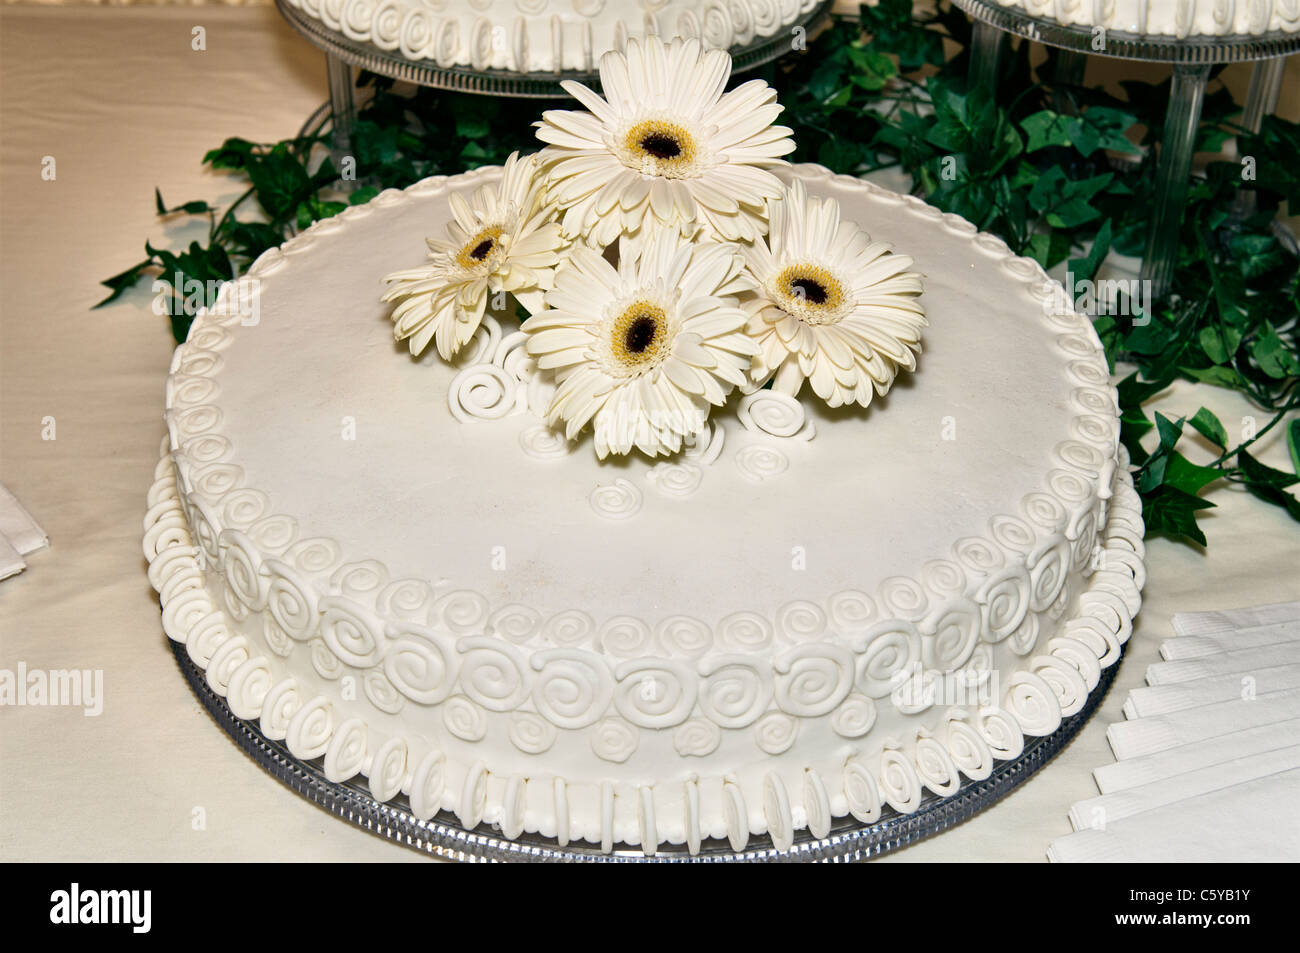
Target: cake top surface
{"type": "Point", "coordinates": [353, 443]}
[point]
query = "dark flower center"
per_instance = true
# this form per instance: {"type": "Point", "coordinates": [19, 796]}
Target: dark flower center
{"type": "Point", "coordinates": [661, 146]}
{"type": "Point", "coordinates": [482, 249]}
{"type": "Point", "coordinates": [640, 334]}
{"type": "Point", "coordinates": [809, 290]}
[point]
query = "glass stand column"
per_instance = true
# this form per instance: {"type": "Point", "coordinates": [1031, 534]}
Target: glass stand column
{"type": "Point", "coordinates": [1186, 95]}
{"type": "Point", "coordinates": [986, 46]}
{"type": "Point", "coordinates": [1071, 65]}
{"type": "Point", "coordinates": [343, 103]}
{"type": "Point", "coordinates": [1265, 87]}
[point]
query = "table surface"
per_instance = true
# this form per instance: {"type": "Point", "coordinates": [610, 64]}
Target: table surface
{"type": "Point", "coordinates": [152, 778]}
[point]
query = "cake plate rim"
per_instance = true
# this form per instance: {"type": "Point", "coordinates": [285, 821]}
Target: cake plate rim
{"type": "Point", "coordinates": [501, 82]}
{"type": "Point", "coordinates": [1197, 49]}
{"type": "Point", "coordinates": [442, 836]}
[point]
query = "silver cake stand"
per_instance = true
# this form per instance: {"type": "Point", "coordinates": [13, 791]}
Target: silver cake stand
{"type": "Point", "coordinates": [343, 53]}
{"type": "Point", "coordinates": [1191, 59]}
{"type": "Point", "coordinates": [444, 837]}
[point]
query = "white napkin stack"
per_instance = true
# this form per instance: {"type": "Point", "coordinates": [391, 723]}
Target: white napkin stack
{"type": "Point", "coordinates": [1208, 762]}
{"type": "Point", "coordinates": [20, 534]}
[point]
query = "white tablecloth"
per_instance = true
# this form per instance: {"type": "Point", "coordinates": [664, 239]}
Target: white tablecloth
{"type": "Point", "coordinates": [122, 103]}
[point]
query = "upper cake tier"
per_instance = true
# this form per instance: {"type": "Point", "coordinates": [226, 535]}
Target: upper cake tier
{"type": "Point", "coordinates": [1170, 18]}
{"type": "Point", "coordinates": [532, 36]}
{"type": "Point", "coordinates": [394, 565]}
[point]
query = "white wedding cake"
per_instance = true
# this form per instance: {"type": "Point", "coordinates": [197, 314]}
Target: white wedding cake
{"type": "Point", "coordinates": [544, 36]}
{"type": "Point", "coordinates": [703, 549]}
{"type": "Point", "coordinates": [1170, 18]}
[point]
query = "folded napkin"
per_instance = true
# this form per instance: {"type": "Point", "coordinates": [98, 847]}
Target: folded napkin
{"type": "Point", "coordinates": [1099, 812]}
{"type": "Point", "coordinates": [1250, 822]}
{"type": "Point", "coordinates": [1194, 646]}
{"type": "Point", "coordinates": [1133, 772]}
{"type": "Point", "coordinates": [1204, 623]}
{"type": "Point", "coordinates": [20, 534]}
{"type": "Point", "coordinates": [1128, 739]}
{"type": "Point", "coordinates": [1225, 663]}
{"type": "Point", "coordinates": [1162, 699]}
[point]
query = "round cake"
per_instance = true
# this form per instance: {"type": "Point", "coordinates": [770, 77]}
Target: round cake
{"type": "Point", "coordinates": [1170, 18]}
{"type": "Point", "coordinates": [809, 613]}
{"type": "Point", "coordinates": [544, 36]}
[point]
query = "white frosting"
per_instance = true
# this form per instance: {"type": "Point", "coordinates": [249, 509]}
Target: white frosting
{"type": "Point", "coordinates": [543, 36]}
{"type": "Point", "coordinates": [721, 660]}
{"type": "Point", "coordinates": [1171, 18]}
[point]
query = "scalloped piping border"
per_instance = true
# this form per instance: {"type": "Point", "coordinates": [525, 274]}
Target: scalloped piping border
{"type": "Point", "coordinates": [1036, 704]}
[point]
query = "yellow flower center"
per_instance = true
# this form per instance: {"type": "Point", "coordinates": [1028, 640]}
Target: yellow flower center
{"type": "Point", "coordinates": [810, 293]}
{"type": "Point", "coordinates": [638, 337]}
{"type": "Point", "coordinates": [659, 147]}
{"type": "Point", "coordinates": [479, 248]}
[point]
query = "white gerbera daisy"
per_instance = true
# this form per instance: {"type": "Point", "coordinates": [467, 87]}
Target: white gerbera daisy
{"type": "Point", "coordinates": [643, 349]}
{"type": "Point", "coordinates": [831, 306]}
{"type": "Point", "coordinates": [666, 144]}
{"type": "Point", "coordinates": [502, 240]}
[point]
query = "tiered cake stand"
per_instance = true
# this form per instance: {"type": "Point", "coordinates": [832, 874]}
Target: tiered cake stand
{"type": "Point", "coordinates": [343, 53]}
{"type": "Point", "coordinates": [1191, 59]}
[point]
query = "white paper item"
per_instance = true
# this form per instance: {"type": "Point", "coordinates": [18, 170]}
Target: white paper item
{"type": "Point", "coordinates": [1133, 772]}
{"type": "Point", "coordinates": [1145, 701]}
{"type": "Point", "coordinates": [1203, 623]}
{"type": "Point", "coordinates": [18, 526]}
{"type": "Point", "coordinates": [1225, 663]}
{"type": "Point", "coordinates": [1247, 823]}
{"type": "Point", "coordinates": [1194, 646]}
{"type": "Point", "coordinates": [11, 561]}
{"type": "Point", "coordinates": [1130, 739]}
{"type": "Point", "coordinates": [1101, 812]}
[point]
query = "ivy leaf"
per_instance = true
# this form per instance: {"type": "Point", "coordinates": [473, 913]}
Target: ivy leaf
{"type": "Point", "coordinates": [1273, 356]}
{"type": "Point", "coordinates": [470, 126]}
{"type": "Point", "coordinates": [1172, 511]}
{"type": "Point", "coordinates": [1101, 127]}
{"type": "Point", "coordinates": [872, 70]}
{"type": "Point", "coordinates": [1261, 475]}
{"type": "Point", "coordinates": [1169, 431]}
{"type": "Point", "coordinates": [1208, 426]}
{"type": "Point", "coordinates": [1048, 248]}
{"type": "Point", "coordinates": [122, 281]}
{"type": "Point", "coordinates": [1181, 474]}
{"type": "Point", "coordinates": [363, 195]}
{"type": "Point", "coordinates": [1271, 494]}
{"type": "Point", "coordinates": [1219, 345]}
{"type": "Point", "coordinates": [1293, 443]}
{"type": "Point", "coordinates": [1134, 392]}
{"type": "Point", "coordinates": [233, 154]}
{"type": "Point", "coordinates": [1085, 268]}
{"type": "Point", "coordinates": [281, 181]}
{"type": "Point", "coordinates": [1065, 203]}
{"type": "Point", "coordinates": [1218, 376]}
{"type": "Point", "coordinates": [1256, 254]}
{"type": "Point", "coordinates": [1046, 128]}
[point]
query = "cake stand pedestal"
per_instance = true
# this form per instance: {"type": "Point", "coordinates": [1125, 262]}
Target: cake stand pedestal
{"type": "Point", "coordinates": [1191, 59]}
{"type": "Point", "coordinates": [342, 54]}
{"type": "Point", "coordinates": [445, 837]}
